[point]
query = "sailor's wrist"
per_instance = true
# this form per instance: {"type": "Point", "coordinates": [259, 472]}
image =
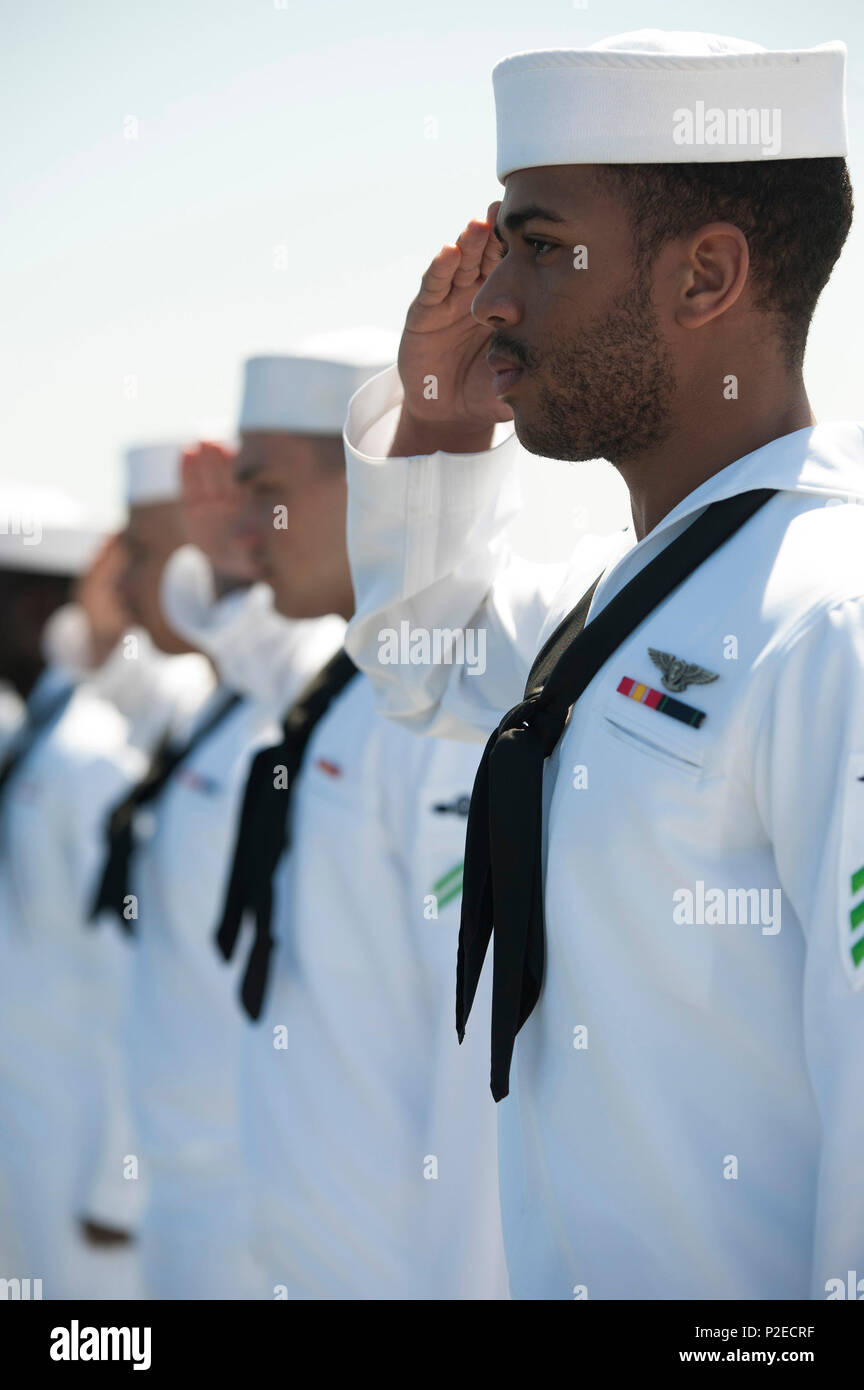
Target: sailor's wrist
{"type": "Point", "coordinates": [417, 437]}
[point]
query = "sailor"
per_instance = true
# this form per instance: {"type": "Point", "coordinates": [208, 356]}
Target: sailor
{"type": "Point", "coordinates": [184, 1029]}
{"type": "Point", "coordinates": [667, 829]}
{"type": "Point", "coordinates": [67, 1206]}
{"type": "Point", "coordinates": [371, 1156]}
{"type": "Point", "coordinates": [114, 633]}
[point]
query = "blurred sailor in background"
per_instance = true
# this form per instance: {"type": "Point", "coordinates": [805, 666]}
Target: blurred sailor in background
{"type": "Point", "coordinates": [67, 1201]}
{"type": "Point", "coordinates": [169, 855]}
{"type": "Point", "coordinates": [370, 1143]}
{"type": "Point", "coordinates": [116, 627]}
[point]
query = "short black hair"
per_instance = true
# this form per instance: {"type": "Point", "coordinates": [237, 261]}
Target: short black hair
{"type": "Point", "coordinates": [18, 581]}
{"type": "Point", "coordinates": [795, 214]}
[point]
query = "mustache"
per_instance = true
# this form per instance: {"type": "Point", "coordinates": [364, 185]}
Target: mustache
{"type": "Point", "coordinates": [511, 347]}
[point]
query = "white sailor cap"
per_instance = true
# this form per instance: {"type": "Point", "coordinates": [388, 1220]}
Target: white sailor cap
{"type": "Point", "coordinates": [307, 390]}
{"type": "Point", "coordinates": [153, 472]}
{"type": "Point", "coordinates": [44, 531]}
{"type": "Point", "coordinates": [653, 97]}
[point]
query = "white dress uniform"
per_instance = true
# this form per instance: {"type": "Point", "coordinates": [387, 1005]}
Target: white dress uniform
{"type": "Point", "coordinates": [370, 1135]}
{"type": "Point", "coordinates": [184, 1028]}
{"type": "Point", "coordinates": [63, 1141]}
{"type": "Point", "coordinates": [684, 1118]}
{"type": "Point", "coordinates": [158, 696]}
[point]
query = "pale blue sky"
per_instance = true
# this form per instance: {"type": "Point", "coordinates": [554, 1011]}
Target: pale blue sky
{"type": "Point", "coordinates": [301, 127]}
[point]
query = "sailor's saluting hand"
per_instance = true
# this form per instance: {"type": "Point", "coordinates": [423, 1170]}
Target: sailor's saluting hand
{"type": "Point", "coordinates": [98, 593]}
{"type": "Point", "coordinates": [211, 510]}
{"type": "Point", "coordinates": [449, 402]}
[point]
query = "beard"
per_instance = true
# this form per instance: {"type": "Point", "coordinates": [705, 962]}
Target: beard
{"type": "Point", "coordinates": [607, 393]}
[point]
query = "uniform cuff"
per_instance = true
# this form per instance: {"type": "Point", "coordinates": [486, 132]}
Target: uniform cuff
{"type": "Point", "coordinates": [425, 485]}
{"type": "Point", "coordinates": [210, 624]}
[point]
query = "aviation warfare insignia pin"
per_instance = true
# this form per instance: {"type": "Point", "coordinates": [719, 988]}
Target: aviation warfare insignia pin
{"type": "Point", "coordinates": [678, 674]}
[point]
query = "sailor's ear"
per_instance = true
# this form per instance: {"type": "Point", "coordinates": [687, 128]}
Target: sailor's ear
{"type": "Point", "coordinates": [711, 272]}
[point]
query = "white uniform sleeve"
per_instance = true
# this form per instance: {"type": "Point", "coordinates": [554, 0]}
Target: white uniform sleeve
{"type": "Point", "coordinates": [464, 1247]}
{"type": "Point", "coordinates": [156, 693]}
{"type": "Point", "coordinates": [113, 1197]}
{"type": "Point", "coordinates": [810, 789]}
{"type": "Point", "coordinates": [256, 650]}
{"type": "Point", "coordinates": [104, 960]}
{"type": "Point", "coordinates": [427, 539]}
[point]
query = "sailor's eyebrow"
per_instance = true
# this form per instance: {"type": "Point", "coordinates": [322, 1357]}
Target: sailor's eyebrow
{"type": "Point", "coordinates": [246, 471]}
{"type": "Point", "coordinates": [514, 220]}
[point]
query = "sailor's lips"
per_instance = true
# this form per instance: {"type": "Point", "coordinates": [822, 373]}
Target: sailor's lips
{"type": "Point", "coordinates": [506, 374]}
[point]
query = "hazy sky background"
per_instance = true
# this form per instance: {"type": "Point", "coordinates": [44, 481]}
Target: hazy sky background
{"type": "Point", "coordinates": [138, 272]}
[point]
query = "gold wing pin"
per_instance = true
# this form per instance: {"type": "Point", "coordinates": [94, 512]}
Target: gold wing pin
{"type": "Point", "coordinates": [678, 674]}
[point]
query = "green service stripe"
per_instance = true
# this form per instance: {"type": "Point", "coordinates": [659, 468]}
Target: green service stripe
{"type": "Point", "coordinates": [858, 880]}
{"type": "Point", "coordinates": [856, 916]}
{"type": "Point", "coordinates": [858, 952]}
{"type": "Point", "coordinates": [450, 894]}
{"type": "Point", "coordinates": [444, 880]}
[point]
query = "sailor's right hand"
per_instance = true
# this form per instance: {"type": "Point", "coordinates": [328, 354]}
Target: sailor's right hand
{"type": "Point", "coordinates": [211, 510]}
{"type": "Point", "coordinates": [449, 402]}
{"type": "Point", "coordinates": [98, 593]}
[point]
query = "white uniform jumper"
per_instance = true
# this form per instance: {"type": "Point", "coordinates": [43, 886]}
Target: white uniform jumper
{"type": "Point", "coordinates": [185, 1030]}
{"type": "Point", "coordinates": [370, 1137]}
{"type": "Point", "coordinates": [64, 1140]}
{"type": "Point", "coordinates": [684, 1118]}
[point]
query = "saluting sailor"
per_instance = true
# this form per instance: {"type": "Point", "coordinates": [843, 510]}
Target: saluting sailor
{"type": "Point", "coordinates": [115, 634]}
{"type": "Point", "coordinates": [67, 1204]}
{"type": "Point", "coordinates": [667, 829]}
{"type": "Point", "coordinates": [372, 1163]}
{"type": "Point", "coordinates": [184, 1029]}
